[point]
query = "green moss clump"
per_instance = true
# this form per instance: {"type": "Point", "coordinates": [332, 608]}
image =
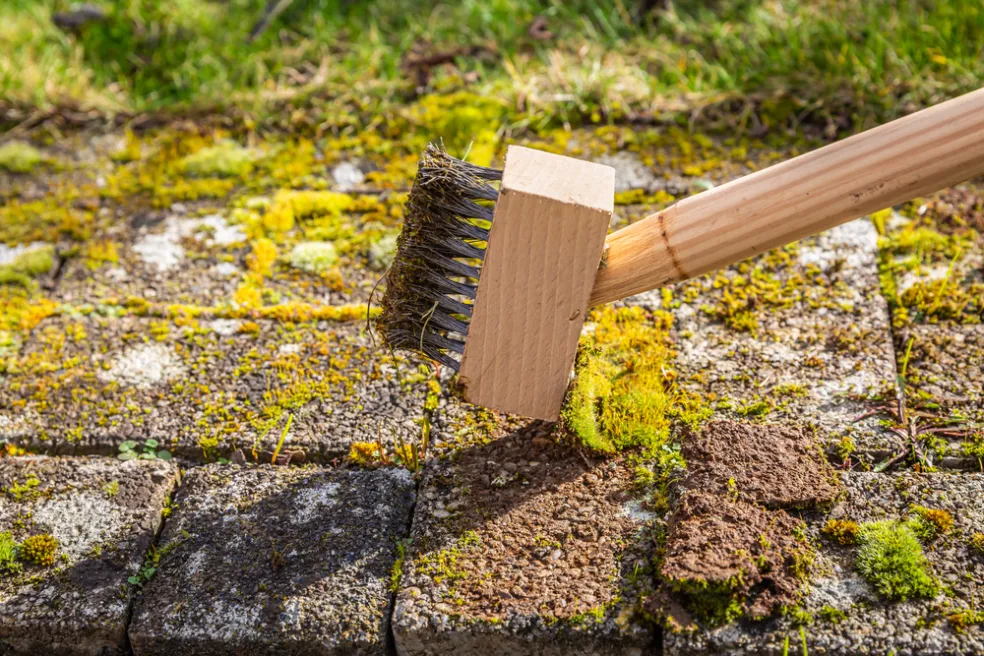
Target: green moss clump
{"type": "Point", "coordinates": [891, 558]}
{"type": "Point", "coordinates": [8, 554]}
{"type": "Point", "coordinates": [225, 159]}
{"type": "Point", "coordinates": [19, 157]}
{"type": "Point", "coordinates": [964, 618]}
{"type": "Point", "coordinates": [314, 256]}
{"type": "Point", "coordinates": [28, 266]}
{"type": "Point", "coordinates": [841, 531]}
{"type": "Point", "coordinates": [713, 603]}
{"type": "Point", "coordinates": [39, 549]}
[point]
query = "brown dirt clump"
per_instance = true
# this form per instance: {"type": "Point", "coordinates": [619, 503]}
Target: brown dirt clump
{"type": "Point", "coordinates": [731, 550]}
{"type": "Point", "coordinates": [773, 465]}
{"type": "Point", "coordinates": [732, 558]}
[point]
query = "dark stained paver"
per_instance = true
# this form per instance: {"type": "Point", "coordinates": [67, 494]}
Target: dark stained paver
{"type": "Point", "coordinates": [847, 614]}
{"type": "Point", "coordinates": [207, 387]}
{"type": "Point", "coordinates": [103, 514]}
{"type": "Point", "coordinates": [264, 560]}
{"type": "Point", "coordinates": [524, 546]}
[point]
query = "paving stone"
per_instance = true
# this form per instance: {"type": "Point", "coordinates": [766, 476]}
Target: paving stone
{"type": "Point", "coordinates": [945, 370]}
{"type": "Point", "coordinates": [276, 560]}
{"type": "Point", "coordinates": [207, 387]}
{"type": "Point", "coordinates": [523, 546]}
{"type": "Point", "coordinates": [870, 624]}
{"type": "Point", "coordinates": [630, 172]}
{"type": "Point", "coordinates": [809, 341]}
{"type": "Point", "coordinates": [169, 256]}
{"type": "Point", "coordinates": [104, 514]}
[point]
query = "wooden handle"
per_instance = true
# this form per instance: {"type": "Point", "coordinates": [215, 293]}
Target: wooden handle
{"type": "Point", "coordinates": [896, 162]}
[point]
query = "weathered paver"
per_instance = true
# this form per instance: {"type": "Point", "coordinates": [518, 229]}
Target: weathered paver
{"type": "Point", "coordinates": [847, 614]}
{"type": "Point", "coordinates": [207, 387]}
{"type": "Point", "coordinates": [523, 546]}
{"type": "Point", "coordinates": [800, 334]}
{"type": "Point", "coordinates": [204, 257]}
{"type": "Point", "coordinates": [104, 514]}
{"type": "Point", "coordinates": [276, 560]}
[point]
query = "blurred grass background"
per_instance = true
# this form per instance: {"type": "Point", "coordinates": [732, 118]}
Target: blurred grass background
{"type": "Point", "coordinates": [848, 63]}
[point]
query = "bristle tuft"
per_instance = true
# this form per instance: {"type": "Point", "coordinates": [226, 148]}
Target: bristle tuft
{"type": "Point", "coordinates": [431, 286]}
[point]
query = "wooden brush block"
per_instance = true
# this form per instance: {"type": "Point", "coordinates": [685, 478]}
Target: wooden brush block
{"type": "Point", "coordinates": [544, 249]}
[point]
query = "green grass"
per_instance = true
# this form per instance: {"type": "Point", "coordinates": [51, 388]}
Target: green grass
{"type": "Point", "coordinates": [341, 61]}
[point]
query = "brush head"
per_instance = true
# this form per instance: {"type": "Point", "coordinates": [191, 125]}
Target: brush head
{"type": "Point", "coordinates": [430, 289]}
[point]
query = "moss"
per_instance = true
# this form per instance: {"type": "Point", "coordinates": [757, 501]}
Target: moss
{"type": "Point", "coordinates": [27, 266]}
{"type": "Point", "coordinates": [382, 251]}
{"type": "Point", "coordinates": [833, 615]}
{"type": "Point", "coordinates": [8, 554]}
{"type": "Point", "coordinates": [891, 559]}
{"type": "Point", "coordinates": [39, 549]}
{"type": "Point", "coordinates": [225, 159]}
{"type": "Point", "coordinates": [313, 256]}
{"type": "Point", "coordinates": [711, 603]}
{"type": "Point", "coordinates": [19, 157]}
{"type": "Point", "coordinates": [624, 394]}
{"type": "Point", "coordinates": [932, 522]}
{"type": "Point", "coordinates": [365, 454]}
{"type": "Point", "coordinates": [98, 253]}
{"type": "Point", "coordinates": [841, 531]}
{"type": "Point", "coordinates": [965, 618]}
{"type": "Point", "coordinates": [976, 542]}
{"type": "Point", "coordinates": [396, 573]}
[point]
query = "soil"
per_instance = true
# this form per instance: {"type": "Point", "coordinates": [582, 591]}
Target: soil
{"type": "Point", "coordinates": [773, 465]}
{"type": "Point", "coordinates": [730, 537]}
{"type": "Point", "coordinates": [716, 540]}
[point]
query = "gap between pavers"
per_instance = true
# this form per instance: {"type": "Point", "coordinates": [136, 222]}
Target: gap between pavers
{"type": "Point", "coordinates": [205, 388]}
{"type": "Point", "coordinates": [263, 560]}
{"type": "Point", "coordinates": [946, 369]}
{"type": "Point", "coordinates": [104, 514]}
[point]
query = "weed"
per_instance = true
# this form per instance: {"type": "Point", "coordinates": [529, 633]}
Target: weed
{"type": "Point", "coordinates": [132, 450]}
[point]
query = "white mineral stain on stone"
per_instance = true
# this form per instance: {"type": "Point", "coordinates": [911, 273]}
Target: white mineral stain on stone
{"type": "Point", "coordinates": [310, 502]}
{"type": "Point", "coordinates": [163, 250]}
{"type": "Point", "coordinates": [144, 365]}
{"type": "Point", "coordinates": [630, 172]}
{"type": "Point", "coordinates": [225, 269]}
{"type": "Point", "coordinates": [80, 521]}
{"type": "Point", "coordinates": [347, 175]}
{"type": "Point", "coordinates": [927, 276]}
{"type": "Point", "coordinates": [195, 563]}
{"type": "Point", "coordinates": [225, 327]}
{"type": "Point", "coordinates": [290, 617]}
{"type": "Point", "coordinates": [223, 234]}
{"type": "Point", "coordinates": [288, 349]}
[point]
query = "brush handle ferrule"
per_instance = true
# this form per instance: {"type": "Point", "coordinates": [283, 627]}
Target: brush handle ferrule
{"type": "Point", "coordinates": [891, 164]}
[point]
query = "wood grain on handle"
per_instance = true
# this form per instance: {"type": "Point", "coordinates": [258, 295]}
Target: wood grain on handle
{"type": "Point", "coordinates": [896, 162]}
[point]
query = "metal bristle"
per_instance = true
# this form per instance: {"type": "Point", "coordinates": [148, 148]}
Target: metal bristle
{"type": "Point", "coordinates": [431, 286]}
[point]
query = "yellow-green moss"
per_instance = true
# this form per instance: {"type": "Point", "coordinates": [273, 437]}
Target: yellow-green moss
{"type": "Point", "coordinates": [890, 557]}
{"type": "Point", "coordinates": [932, 522]}
{"type": "Point", "coordinates": [841, 531]}
{"type": "Point", "coordinates": [624, 395]}
{"type": "Point", "coordinates": [225, 159]}
{"type": "Point", "coordinates": [313, 256]}
{"type": "Point", "coordinates": [27, 266]}
{"type": "Point", "coordinates": [19, 157]}
{"type": "Point", "coordinates": [977, 542]}
{"type": "Point", "coordinates": [39, 549]}
{"type": "Point", "coordinates": [8, 554]}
